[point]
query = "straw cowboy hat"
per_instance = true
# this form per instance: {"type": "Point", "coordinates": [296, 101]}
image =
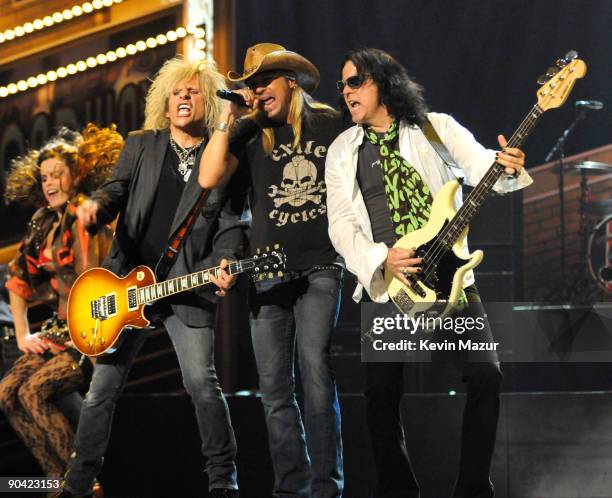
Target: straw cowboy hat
{"type": "Point", "coordinates": [270, 56]}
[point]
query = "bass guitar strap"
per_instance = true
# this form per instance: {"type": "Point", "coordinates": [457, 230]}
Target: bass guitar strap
{"type": "Point", "coordinates": [436, 142]}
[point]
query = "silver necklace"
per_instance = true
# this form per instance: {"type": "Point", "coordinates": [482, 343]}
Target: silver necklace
{"type": "Point", "coordinates": [186, 156]}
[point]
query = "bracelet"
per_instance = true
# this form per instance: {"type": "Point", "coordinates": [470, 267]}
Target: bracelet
{"type": "Point", "coordinates": [223, 127]}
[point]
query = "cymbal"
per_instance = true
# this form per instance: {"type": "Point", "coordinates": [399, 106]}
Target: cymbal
{"type": "Point", "coordinates": [588, 168]}
{"type": "Point", "coordinates": [599, 208]}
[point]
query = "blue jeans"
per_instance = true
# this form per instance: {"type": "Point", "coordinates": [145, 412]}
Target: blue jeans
{"type": "Point", "coordinates": [300, 307]}
{"type": "Point", "coordinates": [194, 348]}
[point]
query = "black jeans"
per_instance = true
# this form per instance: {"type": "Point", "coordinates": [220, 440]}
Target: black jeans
{"type": "Point", "coordinates": [384, 389]}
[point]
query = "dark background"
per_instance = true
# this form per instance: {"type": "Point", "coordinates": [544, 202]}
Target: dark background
{"type": "Point", "coordinates": [477, 59]}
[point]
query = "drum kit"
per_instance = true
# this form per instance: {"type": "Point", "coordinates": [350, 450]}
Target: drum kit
{"type": "Point", "coordinates": [595, 224]}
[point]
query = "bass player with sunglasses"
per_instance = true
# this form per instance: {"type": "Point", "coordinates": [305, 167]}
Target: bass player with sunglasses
{"type": "Point", "coordinates": [381, 175]}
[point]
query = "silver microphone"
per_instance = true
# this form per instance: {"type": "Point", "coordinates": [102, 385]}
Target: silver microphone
{"type": "Point", "coordinates": [595, 105]}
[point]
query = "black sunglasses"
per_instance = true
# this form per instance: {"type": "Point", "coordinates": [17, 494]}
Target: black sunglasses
{"type": "Point", "coordinates": [353, 82]}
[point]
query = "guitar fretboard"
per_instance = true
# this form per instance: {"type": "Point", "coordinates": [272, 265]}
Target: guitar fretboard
{"type": "Point", "coordinates": [172, 286]}
{"type": "Point", "coordinates": [450, 233]}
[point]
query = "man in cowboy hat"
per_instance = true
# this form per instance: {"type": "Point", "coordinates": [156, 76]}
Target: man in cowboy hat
{"type": "Point", "coordinates": [282, 142]}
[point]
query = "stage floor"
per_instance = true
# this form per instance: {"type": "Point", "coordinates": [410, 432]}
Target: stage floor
{"type": "Point", "coordinates": [549, 445]}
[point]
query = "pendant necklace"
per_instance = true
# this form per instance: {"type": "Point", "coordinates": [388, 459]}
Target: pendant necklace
{"type": "Point", "coordinates": [186, 156]}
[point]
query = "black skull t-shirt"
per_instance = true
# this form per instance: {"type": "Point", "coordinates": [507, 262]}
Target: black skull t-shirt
{"type": "Point", "coordinates": [288, 194]}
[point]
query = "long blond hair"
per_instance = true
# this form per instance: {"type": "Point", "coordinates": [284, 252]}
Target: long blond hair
{"type": "Point", "coordinates": [173, 72]}
{"type": "Point", "coordinates": [300, 108]}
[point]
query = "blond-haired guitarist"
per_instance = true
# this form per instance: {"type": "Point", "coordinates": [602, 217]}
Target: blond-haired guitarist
{"type": "Point", "coordinates": [153, 189]}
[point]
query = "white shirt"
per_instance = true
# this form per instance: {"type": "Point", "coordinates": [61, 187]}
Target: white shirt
{"type": "Point", "coordinates": [349, 224]}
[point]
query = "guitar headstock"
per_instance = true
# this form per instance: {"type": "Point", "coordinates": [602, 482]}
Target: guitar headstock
{"type": "Point", "coordinates": [558, 81]}
{"type": "Point", "coordinates": [269, 263]}
{"type": "Point", "coordinates": [55, 330]}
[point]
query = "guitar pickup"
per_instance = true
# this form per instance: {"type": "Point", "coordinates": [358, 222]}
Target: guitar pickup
{"type": "Point", "coordinates": [104, 307]}
{"type": "Point", "coordinates": [132, 298]}
{"type": "Point", "coordinates": [415, 286]}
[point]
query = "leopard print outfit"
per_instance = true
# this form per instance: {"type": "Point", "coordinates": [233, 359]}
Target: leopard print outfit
{"type": "Point", "coordinates": [29, 388]}
{"type": "Point", "coordinates": [27, 393]}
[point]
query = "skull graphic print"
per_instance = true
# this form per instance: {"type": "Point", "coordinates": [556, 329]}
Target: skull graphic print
{"type": "Point", "coordinates": [299, 184]}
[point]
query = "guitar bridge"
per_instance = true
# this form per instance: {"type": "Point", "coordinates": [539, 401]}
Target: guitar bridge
{"type": "Point", "coordinates": [104, 307]}
{"type": "Point", "coordinates": [403, 302]}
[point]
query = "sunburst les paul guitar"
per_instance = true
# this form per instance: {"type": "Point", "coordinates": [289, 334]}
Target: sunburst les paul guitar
{"type": "Point", "coordinates": [441, 241]}
{"type": "Point", "coordinates": [101, 304]}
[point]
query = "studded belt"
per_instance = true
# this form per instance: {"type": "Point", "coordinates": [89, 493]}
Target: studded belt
{"type": "Point", "coordinates": [7, 332]}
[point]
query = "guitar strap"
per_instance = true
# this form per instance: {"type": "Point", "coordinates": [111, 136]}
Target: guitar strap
{"type": "Point", "coordinates": [436, 142]}
{"type": "Point", "coordinates": [168, 258]}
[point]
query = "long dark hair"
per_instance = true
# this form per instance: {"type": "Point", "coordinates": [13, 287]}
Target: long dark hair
{"type": "Point", "coordinates": [401, 95]}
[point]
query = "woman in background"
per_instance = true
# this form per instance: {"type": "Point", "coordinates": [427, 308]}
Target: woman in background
{"type": "Point", "coordinates": [54, 251]}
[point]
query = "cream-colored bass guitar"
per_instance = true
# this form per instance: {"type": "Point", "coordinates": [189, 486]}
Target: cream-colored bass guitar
{"type": "Point", "coordinates": [440, 242]}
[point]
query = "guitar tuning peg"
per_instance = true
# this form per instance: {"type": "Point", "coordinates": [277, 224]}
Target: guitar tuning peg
{"type": "Point", "coordinates": [276, 246]}
{"type": "Point", "coordinates": [551, 71]}
{"type": "Point", "coordinates": [571, 55]}
{"type": "Point", "coordinates": [257, 250]}
{"type": "Point", "coordinates": [561, 63]}
{"type": "Point", "coordinates": [267, 248]}
{"type": "Point", "coordinates": [280, 273]}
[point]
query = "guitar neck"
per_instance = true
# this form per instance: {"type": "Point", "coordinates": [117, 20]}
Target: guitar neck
{"type": "Point", "coordinates": [150, 293]}
{"type": "Point", "coordinates": [474, 200]}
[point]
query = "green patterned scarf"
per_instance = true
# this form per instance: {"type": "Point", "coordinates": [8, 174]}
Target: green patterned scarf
{"type": "Point", "coordinates": [408, 196]}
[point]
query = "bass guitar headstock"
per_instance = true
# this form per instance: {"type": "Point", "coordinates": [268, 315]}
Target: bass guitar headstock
{"type": "Point", "coordinates": [557, 82]}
